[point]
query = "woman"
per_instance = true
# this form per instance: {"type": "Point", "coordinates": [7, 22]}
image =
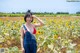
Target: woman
{"type": "Point", "coordinates": [28, 31]}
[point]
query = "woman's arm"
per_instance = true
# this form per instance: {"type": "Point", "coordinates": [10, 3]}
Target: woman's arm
{"type": "Point", "coordinates": [21, 38]}
{"type": "Point", "coordinates": [41, 23]}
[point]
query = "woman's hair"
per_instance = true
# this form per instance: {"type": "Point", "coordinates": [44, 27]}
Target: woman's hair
{"type": "Point", "coordinates": [28, 14]}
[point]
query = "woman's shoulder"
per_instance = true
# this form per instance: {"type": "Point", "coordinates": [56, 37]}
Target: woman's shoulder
{"type": "Point", "coordinates": [22, 25]}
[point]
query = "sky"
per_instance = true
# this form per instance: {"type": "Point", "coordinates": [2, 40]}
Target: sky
{"type": "Point", "coordinates": [39, 6]}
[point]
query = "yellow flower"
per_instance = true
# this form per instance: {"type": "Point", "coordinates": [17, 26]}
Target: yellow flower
{"type": "Point", "coordinates": [55, 36]}
{"type": "Point", "coordinates": [34, 22]}
{"type": "Point", "coordinates": [38, 32]}
{"type": "Point", "coordinates": [0, 46]}
{"type": "Point", "coordinates": [72, 27]}
{"type": "Point", "coordinates": [8, 25]}
{"type": "Point", "coordinates": [67, 23]}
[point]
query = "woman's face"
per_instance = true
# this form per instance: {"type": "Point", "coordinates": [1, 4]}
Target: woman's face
{"type": "Point", "coordinates": [29, 19]}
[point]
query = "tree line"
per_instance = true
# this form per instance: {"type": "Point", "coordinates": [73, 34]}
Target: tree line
{"type": "Point", "coordinates": [21, 14]}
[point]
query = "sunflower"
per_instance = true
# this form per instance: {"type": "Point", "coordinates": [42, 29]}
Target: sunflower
{"type": "Point", "coordinates": [55, 36]}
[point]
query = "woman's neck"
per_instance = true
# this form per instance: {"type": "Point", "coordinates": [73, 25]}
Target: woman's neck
{"type": "Point", "coordinates": [28, 23]}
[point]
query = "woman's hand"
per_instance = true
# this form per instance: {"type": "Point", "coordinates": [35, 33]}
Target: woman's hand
{"type": "Point", "coordinates": [40, 21]}
{"type": "Point", "coordinates": [23, 51]}
{"type": "Point", "coordinates": [34, 16]}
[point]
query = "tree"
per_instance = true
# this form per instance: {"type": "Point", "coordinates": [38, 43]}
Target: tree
{"type": "Point", "coordinates": [13, 12]}
{"type": "Point", "coordinates": [77, 12]}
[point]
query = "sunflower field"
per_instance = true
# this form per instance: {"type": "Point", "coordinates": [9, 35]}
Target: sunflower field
{"type": "Point", "coordinates": [58, 35]}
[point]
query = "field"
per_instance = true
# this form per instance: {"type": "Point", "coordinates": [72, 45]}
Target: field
{"type": "Point", "coordinates": [60, 34]}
